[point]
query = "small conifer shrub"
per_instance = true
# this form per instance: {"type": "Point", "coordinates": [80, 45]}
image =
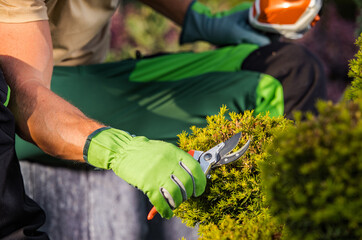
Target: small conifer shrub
{"type": "Point", "coordinates": [232, 206]}
{"type": "Point", "coordinates": [355, 72]}
{"type": "Point", "coordinates": [262, 226]}
{"type": "Point", "coordinates": [314, 174]}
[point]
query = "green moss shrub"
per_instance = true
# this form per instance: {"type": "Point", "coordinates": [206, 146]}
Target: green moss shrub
{"type": "Point", "coordinates": [233, 205]}
{"type": "Point", "coordinates": [355, 72]}
{"type": "Point", "coordinates": [314, 174]}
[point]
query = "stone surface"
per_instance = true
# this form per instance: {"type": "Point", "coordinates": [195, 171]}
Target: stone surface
{"type": "Point", "coordinates": [85, 204]}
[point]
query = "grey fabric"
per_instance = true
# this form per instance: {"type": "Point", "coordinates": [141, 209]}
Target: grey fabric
{"type": "Point", "coordinates": [85, 204]}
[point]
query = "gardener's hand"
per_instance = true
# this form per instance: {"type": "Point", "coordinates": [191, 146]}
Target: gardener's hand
{"type": "Point", "coordinates": [224, 28]}
{"type": "Point", "coordinates": [165, 173]}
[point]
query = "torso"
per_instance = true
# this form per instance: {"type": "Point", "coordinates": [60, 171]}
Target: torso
{"type": "Point", "coordinates": [80, 29]}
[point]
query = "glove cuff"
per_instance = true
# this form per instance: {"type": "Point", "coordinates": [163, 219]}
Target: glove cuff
{"type": "Point", "coordinates": [192, 22]}
{"type": "Point", "coordinates": [103, 145]}
{"type": "Point", "coordinates": [222, 28]}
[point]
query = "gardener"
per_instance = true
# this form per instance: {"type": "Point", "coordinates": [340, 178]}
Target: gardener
{"type": "Point", "coordinates": [36, 35]}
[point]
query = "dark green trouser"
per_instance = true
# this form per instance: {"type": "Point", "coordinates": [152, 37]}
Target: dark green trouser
{"type": "Point", "coordinates": [159, 97]}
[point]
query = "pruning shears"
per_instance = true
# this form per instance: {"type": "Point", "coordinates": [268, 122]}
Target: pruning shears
{"type": "Point", "coordinates": [215, 157]}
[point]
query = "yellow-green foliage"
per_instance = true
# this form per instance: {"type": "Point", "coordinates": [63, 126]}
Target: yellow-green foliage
{"type": "Point", "coordinates": [313, 177]}
{"type": "Point", "coordinates": [261, 226]}
{"type": "Point", "coordinates": [233, 193]}
{"type": "Point", "coordinates": [355, 72]}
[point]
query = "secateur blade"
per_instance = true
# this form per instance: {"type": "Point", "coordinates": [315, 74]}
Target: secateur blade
{"type": "Point", "coordinates": [230, 144]}
{"type": "Point", "coordinates": [229, 158]}
{"type": "Point", "coordinates": [214, 157]}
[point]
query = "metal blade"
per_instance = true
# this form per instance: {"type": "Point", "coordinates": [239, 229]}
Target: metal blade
{"type": "Point", "coordinates": [234, 156]}
{"type": "Point", "coordinates": [230, 144]}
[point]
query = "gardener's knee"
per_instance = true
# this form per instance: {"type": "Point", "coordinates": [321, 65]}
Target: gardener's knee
{"type": "Point", "coordinates": [299, 71]}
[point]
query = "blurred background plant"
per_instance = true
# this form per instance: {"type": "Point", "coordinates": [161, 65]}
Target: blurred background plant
{"type": "Point", "coordinates": [313, 177]}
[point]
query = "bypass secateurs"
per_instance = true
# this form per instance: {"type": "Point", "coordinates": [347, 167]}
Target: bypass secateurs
{"type": "Point", "coordinates": [215, 157]}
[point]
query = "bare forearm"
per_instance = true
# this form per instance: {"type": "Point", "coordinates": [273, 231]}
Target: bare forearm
{"type": "Point", "coordinates": [172, 9]}
{"type": "Point", "coordinates": [42, 117]}
{"type": "Point", "coordinates": [53, 124]}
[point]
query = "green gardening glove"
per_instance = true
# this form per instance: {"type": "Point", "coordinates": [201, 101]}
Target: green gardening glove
{"type": "Point", "coordinates": [222, 28]}
{"type": "Point", "coordinates": [165, 173]}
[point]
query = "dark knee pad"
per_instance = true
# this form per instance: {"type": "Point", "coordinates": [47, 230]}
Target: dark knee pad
{"type": "Point", "coordinates": [299, 71]}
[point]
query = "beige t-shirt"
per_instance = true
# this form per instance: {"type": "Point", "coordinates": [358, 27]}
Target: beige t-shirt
{"type": "Point", "coordinates": [79, 28]}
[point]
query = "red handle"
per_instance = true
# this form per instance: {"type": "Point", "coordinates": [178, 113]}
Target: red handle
{"type": "Point", "coordinates": [153, 211]}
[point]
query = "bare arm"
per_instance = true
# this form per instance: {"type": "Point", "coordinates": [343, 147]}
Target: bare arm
{"type": "Point", "coordinates": [173, 9]}
{"type": "Point", "coordinates": [42, 117]}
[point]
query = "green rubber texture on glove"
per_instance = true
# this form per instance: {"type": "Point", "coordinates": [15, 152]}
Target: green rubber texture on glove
{"type": "Point", "coordinates": [202, 9]}
{"type": "Point", "coordinates": [147, 165]}
{"type": "Point", "coordinates": [7, 97]}
{"type": "Point", "coordinates": [269, 96]}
